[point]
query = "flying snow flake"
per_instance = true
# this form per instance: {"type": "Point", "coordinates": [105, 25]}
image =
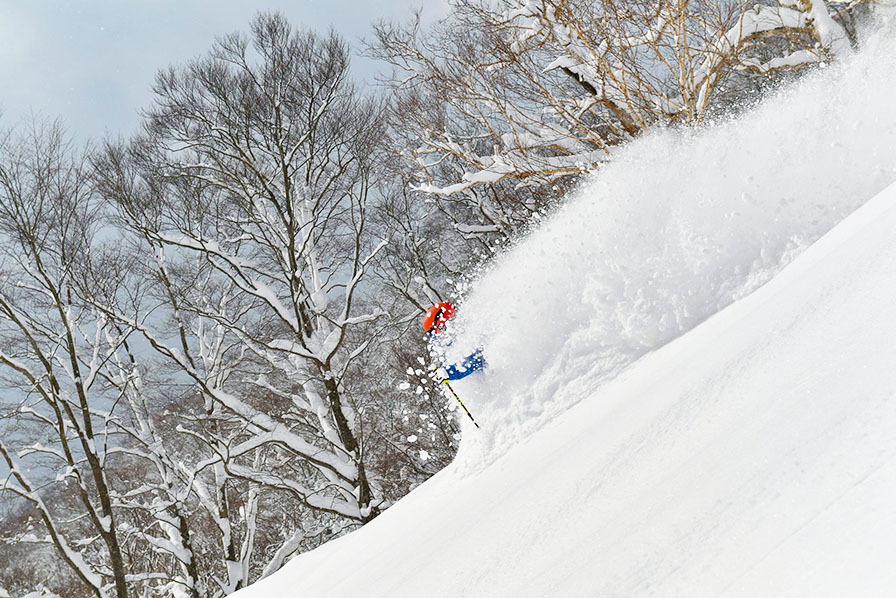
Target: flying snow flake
{"type": "Point", "coordinates": [412, 438]}
{"type": "Point", "coordinates": [424, 456]}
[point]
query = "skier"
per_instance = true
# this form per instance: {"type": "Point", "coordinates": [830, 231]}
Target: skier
{"type": "Point", "coordinates": [434, 321]}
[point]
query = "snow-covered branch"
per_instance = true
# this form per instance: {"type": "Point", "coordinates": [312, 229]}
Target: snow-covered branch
{"type": "Point", "coordinates": [540, 90]}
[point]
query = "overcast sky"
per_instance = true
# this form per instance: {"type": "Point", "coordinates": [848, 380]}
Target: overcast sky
{"type": "Point", "coordinates": [92, 62]}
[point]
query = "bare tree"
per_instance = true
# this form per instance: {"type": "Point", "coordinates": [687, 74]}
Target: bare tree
{"type": "Point", "coordinates": [539, 90]}
{"type": "Point", "coordinates": [255, 171]}
{"type": "Point", "coordinates": [53, 349]}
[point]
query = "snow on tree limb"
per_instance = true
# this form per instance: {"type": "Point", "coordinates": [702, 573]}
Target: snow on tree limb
{"type": "Point", "coordinates": [26, 490]}
{"type": "Point", "coordinates": [600, 73]}
{"type": "Point", "coordinates": [520, 166]}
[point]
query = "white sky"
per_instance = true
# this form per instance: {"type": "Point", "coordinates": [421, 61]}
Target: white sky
{"type": "Point", "coordinates": [92, 62]}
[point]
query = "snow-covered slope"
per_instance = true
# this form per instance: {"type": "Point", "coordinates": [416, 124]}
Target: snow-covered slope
{"type": "Point", "coordinates": [752, 455]}
{"type": "Point", "coordinates": [680, 225]}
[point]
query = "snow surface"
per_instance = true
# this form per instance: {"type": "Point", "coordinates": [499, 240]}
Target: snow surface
{"type": "Point", "coordinates": [640, 438]}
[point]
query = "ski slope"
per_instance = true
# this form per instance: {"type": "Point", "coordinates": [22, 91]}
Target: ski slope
{"type": "Point", "coordinates": [692, 394]}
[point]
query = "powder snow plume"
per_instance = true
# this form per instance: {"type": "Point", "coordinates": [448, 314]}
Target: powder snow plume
{"type": "Point", "coordinates": [680, 224]}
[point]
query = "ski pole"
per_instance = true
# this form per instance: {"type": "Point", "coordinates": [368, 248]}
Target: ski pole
{"type": "Point", "coordinates": [461, 403]}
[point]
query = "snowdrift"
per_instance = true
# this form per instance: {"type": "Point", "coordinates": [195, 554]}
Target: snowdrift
{"type": "Point", "coordinates": [638, 441]}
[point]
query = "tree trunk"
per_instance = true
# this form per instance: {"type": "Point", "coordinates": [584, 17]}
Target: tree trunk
{"type": "Point", "coordinates": [350, 441]}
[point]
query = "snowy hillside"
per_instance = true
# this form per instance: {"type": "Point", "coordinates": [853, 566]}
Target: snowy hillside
{"type": "Point", "coordinates": [657, 421]}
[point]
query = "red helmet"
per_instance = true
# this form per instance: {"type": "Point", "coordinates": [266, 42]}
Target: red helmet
{"type": "Point", "coordinates": [437, 316]}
